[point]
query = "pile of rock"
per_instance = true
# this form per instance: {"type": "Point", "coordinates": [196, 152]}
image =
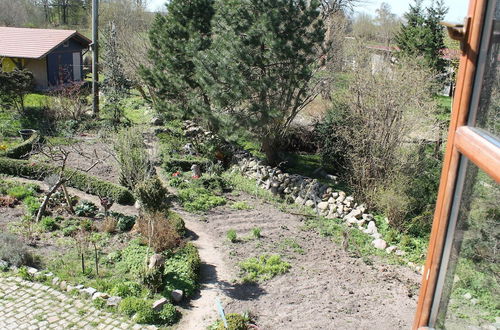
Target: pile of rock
{"type": "Point", "coordinates": [327, 202]}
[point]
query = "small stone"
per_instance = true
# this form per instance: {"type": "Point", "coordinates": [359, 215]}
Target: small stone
{"type": "Point", "coordinates": [156, 261]}
{"type": "Point", "coordinates": [355, 214]}
{"type": "Point", "coordinates": [376, 235]}
{"type": "Point", "coordinates": [32, 270]}
{"type": "Point", "coordinates": [368, 217]}
{"type": "Point", "coordinates": [98, 294]}
{"type": "Point", "coordinates": [309, 203]}
{"type": "Point", "coordinates": [55, 280]}
{"type": "Point", "coordinates": [69, 288]}
{"type": "Point", "coordinates": [299, 200]}
{"type": "Point", "coordinates": [379, 244]}
{"type": "Point", "coordinates": [400, 253]}
{"type": "Point", "coordinates": [391, 248]}
{"type": "Point", "coordinates": [467, 296]}
{"type": "Point", "coordinates": [474, 301]}
{"type": "Point", "coordinates": [156, 121]}
{"type": "Point", "coordinates": [88, 291]}
{"type": "Point", "coordinates": [63, 285]}
{"type": "Point", "coordinates": [113, 301]}
{"type": "Point", "coordinates": [371, 229]}
{"type": "Point", "coordinates": [335, 194]}
{"type": "Point", "coordinates": [158, 304]}
{"type": "Point", "coordinates": [350, 220]}
{"type": "Point", "coordinates": [323, 205]}
{"type": "Point", "coordinates": [341, 198]}
{"type": "Point", "coordinates": [177, 295]}
{"type": "Point", "coordinates": [79, 286]}
{"type": "Point", "coordinates": [331, 200]}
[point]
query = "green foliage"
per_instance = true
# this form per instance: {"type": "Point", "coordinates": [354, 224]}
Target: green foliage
{"type": "Point", "coordinates": [172, 164]}
{"type": "Point", "coordinates": [49, 224]}
{"type": "Point", "coordinates": [242, 205]}
{"type": "Point", "coordinates": [267, 51]}
{"type": "Point", "coordinates": [14, 86]}
{"type": "Point", "coordinates": [423, 36]}
{"type": "Point", "coordinates": [176, 39]}
{"type": "Point", "coordinates": [177, 222]}
{"type": "Point", "coordinates": [69, 230]}
{"type": "Point", "coordinates": [168, 315]}
{"type": "Point", "coordinates": [234, 322]}
{"type": "Point", "coordinates": [24, 274]}
{"type": "Point", "coordinates": [153, 195]}
{"type": "Point", "coordinates": [199, 199]}
{"type": "Point", "coordinates": [181, 271]}
{"type": "Point", "coordinates": [256, 232]}
{"type": "Point", "coordinates": [86, 209]}
{"type": "Point", "coordinates": [79, 180]}
{"type": "Point", "coordinates": [132, 156]}
{"type": "Point", "coordinates": [263, 268]}
{"type": "Point", "coordinates": [126, 289]}
{"type": "Point", "coordinates": [20, 192]}
{"type": "Point", "coordinates": [124, 222]}
{"type": "Point", "coordinates": [232, 236]}
{"type": "Point", "coordinates": [145, 314]}
{"type": "Point", "coordinates": [14, 251]}
{"type": "Point", "coordinates": [133, 259]}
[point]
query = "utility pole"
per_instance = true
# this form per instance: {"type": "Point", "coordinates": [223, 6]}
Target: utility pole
{"type": "Point", "coordinates": [95, 56]}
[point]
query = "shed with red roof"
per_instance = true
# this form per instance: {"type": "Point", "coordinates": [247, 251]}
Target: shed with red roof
{"type": "Point", "coordinates": [53, 56]}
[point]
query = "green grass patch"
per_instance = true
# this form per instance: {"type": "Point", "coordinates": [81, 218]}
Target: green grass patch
{"type": "Point", "coordinates": [263, 268]}
{"type": "Point", "coordinates": [242, 205]}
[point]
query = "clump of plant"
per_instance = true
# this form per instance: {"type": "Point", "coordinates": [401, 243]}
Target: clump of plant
{"type": "Point", "coordinates": [143, 312]}
{"type": "Point", "coordinates": [158, 232]}
{"type": "Point", "coordinates": [133, 157]}
{"type": "Point", "coordinates": [263, 268]}
{"type": "Point", "coordinates": [153, 195]}
{"type": "Point", "coordinates": [32, 204]}
{"type": "Point", "coordinates": [181, 271]}
{"type": "Point", "coordinates": [242, 205]}
{"type": "Point", "coordinates": [20, 192]}
{"type": "Point", "coordinates": [256, 232]}
{"type": "Point", "coordinates": [232, 236]}
{"type": "Point", "coordinates": [13, 251]}
{"type": "Point", "coordinates": [124, 222]}
{"type": "Point", "coordinates": [197, 199]}
{"type": "Point", "coordinates": [86, 209]}
{"type": "Point", "coordinates": [49, 224]}
{"type": "Point", "coordinates": [235, 321]}
{"type": "Point", "coordinates": [126, 289]}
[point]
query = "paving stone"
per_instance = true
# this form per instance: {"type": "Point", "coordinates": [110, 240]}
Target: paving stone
{"type": "Point", "coordinates": [56, 310]}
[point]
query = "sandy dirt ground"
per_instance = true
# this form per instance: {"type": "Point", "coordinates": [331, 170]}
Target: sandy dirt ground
{"type": "Point", "coordinates": [325, 288]}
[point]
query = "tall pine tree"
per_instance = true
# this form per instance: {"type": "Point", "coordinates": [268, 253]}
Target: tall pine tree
{"type": "Point", "coordinates": [422, 36]}
{"type": "Point", "coordinates": [176, 39]}
{"type": "Point", "coordinates": [261, 68]}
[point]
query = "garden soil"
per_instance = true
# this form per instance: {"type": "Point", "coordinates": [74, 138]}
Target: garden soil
{"type": "Point", "coordinates": [325, 288]}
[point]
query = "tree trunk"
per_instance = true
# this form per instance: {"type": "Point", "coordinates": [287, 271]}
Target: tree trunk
{"type": "Point", "coordinates": [269, 146]}
{"type": "Point", "coordinates": [42, 208]}
{"type": "Point", "coordinates": [68, 199]}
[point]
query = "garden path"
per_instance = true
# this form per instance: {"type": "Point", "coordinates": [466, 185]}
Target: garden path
{"type": "Point", "coordinates": [325, 288]}
{"type": "Point", "coordinates": [32, 305]}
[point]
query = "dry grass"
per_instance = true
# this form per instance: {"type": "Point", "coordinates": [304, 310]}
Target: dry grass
{"type": "Point", "coordinates": [158, 231]}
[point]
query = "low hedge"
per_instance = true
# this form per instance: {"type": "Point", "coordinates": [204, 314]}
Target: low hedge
{"type": "Point", "coordinates": [80, 180]}
{"type": "Point", "coordinates": [184, 164]}
{"type": "Point", "coordinates": [23, 148]}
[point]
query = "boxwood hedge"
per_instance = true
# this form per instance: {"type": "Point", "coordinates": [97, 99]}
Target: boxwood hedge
{"type": "Point", "coordinates": [80, 180]}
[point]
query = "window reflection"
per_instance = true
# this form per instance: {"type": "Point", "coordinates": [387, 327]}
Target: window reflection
{"type": "Point", "coordinates": [471, 292]}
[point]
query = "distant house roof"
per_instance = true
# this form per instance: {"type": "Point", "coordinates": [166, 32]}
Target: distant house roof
{"type": "Point", "coordinates": [34, 43]}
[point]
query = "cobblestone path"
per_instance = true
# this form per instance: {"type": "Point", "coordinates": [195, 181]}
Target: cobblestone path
{"type": "Point", "coordinates": [32, 305]}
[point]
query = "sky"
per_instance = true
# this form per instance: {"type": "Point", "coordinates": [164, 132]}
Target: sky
{"type": "Point", "coordinates": [456, 13]}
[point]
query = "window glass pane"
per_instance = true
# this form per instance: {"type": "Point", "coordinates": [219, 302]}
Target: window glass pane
{"type": "Point", "coordinates": [488, 115]}
{"type": "Point", "coordinates": [471, 291]}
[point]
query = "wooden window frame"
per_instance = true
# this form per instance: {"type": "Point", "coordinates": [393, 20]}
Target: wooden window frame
{"type": "Point", "coordinates": [463, 140]}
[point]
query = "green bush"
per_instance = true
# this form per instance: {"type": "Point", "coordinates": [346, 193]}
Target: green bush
{"type": "Point", "coordinates": [177, 222]}
{"type": "Point", "coordinates": [232, 236]}
{"type": "Point", "coordinates": [86, 209]}
{"type": "Point", "coordinates": [124, 222]}
{"type": "Point", "coordinates": [181, 271]}
{"type": "Point", "coordinates": [14, 251]}
{"type": "Point", "coordinates": [32, 204]}
{"type": "Point", "coordinates": [133, 259]}
{"type": "Point", "coordinates": [256, 232]}
{"type": "Point", "coordinates": [234, 322]}
{"type": "Point", "coordinates": [24, 274]}
{"type": "Point", "coordinates": [70, 230]}
{"type": "Point", "coordinates": [130, 305]}
{"type": "Point", "coordinates": [168, 315]}
{"type": "Point", "coordinates": [20, 192]}
{"type": "Point", "coordinates": [49, 224]}
{"type": "Point", "coordinates": [199, 199]}
{"type": "Point", "coordinates": [23, 148]}
{"type": "Point", "coordinates": [241, 206]}
{"type": "Point", "coordinates": [173, 164]}
{"type": "Point", "coordinates": [126, 289]}
{"type": "Point", "coordinates": [79, 180]}
{"type": "Point", "coordinates": [263, 268]}
{"type": "Point", "coordinates": [152, 194]}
